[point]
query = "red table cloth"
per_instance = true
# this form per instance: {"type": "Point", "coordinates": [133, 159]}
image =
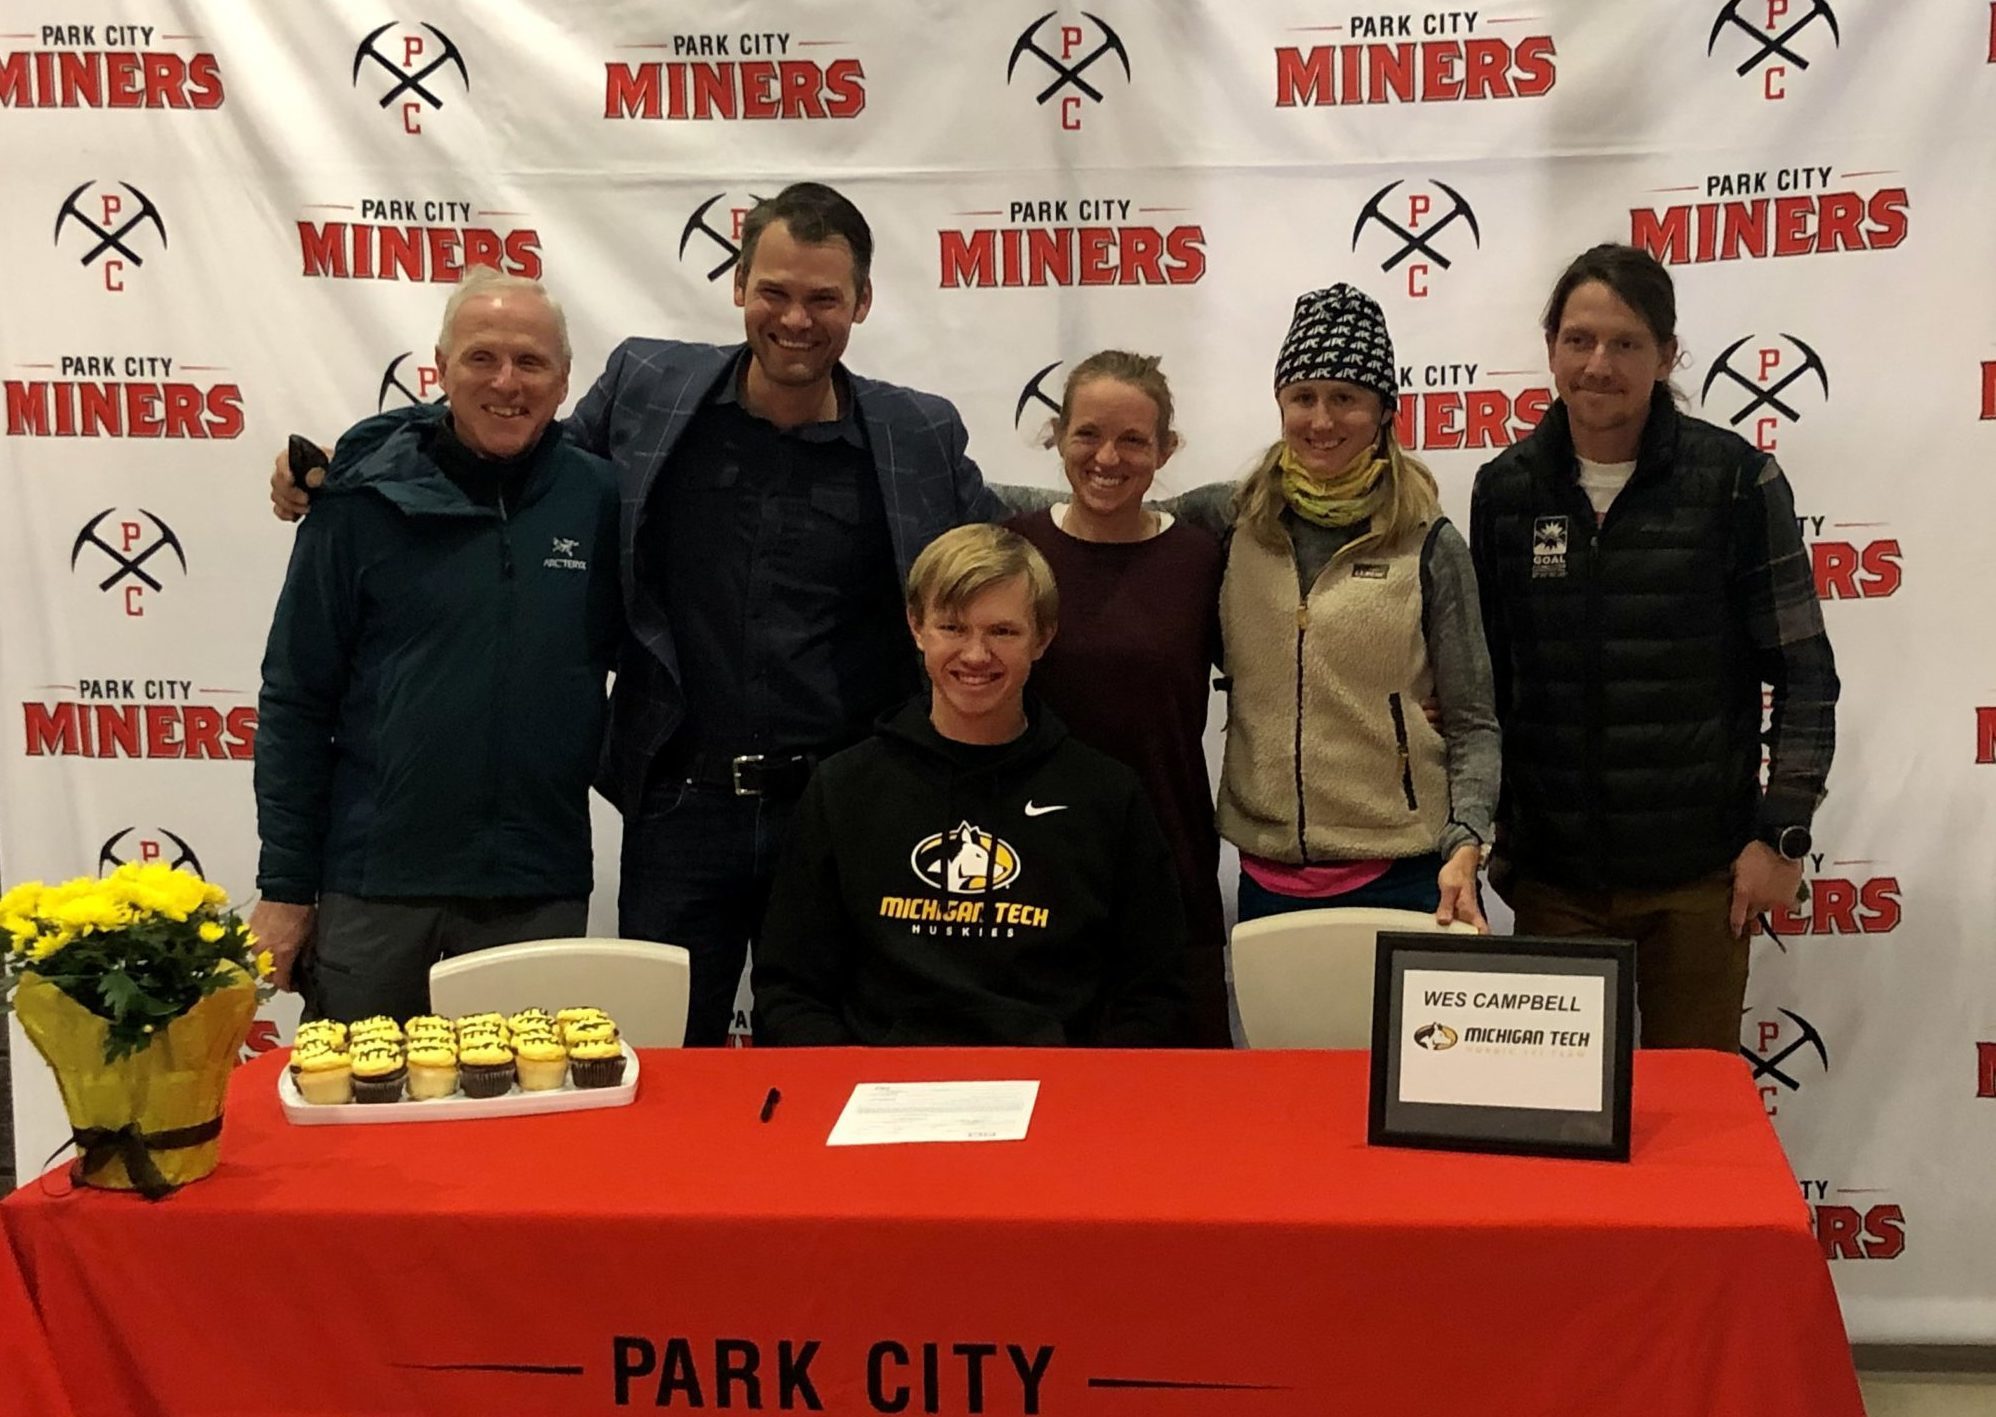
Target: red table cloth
{"type": "Point", "coordinates": [1180, 1233]}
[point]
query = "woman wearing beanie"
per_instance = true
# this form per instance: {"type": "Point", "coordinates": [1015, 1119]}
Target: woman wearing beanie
{"type": "Point", "coordinates": [1348, 600]}
{"type": "Point", "coordinates": [1128, 672]}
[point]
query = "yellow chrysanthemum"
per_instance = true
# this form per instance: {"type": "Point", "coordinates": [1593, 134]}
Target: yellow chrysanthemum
{"type": "Point", "coordinates": [24, 899]}
{"type": "Point", "coordinates": [93, 910]}
{"type": "Point", "coordinates": [49, 944]}
{"type": "Point", "coordinates": [265, 965]}
{"type": "Point", "coordinates": [210, 932]}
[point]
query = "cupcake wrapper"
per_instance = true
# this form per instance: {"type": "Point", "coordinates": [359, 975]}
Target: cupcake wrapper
{"type": "Point", "coordinates": [485, 1079]}
{"type": "Point", "coordinates": [596, 1072]}
{"type": "Point", "coordinates": [382, 1089]}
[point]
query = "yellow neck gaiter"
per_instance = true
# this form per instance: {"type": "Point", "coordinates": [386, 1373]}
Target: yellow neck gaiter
{"type": "Point", "coordinates": [1348, 498]}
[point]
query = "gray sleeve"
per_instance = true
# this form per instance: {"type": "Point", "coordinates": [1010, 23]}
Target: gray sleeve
{"type": "Point", "coordinates": [1024, 501]}
{"type": "Point", "coordinates": [1210, 508]}
{"type": "Point", "coordinates": [1453, 624]}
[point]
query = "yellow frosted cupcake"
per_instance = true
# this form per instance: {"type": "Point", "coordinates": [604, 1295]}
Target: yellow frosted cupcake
{"type": "Point", "coordinates": [321, 1030]}
{"type": "Point", "coordinates": [473, 1023]}
{"type": "Point", "coordinates": [598, 1060]}
{"type": "Point", "coordinates": [322, 1072]}
{"type": "Point", "coordinates": [484, 1065]}
{"type": "Point", "coordinates": [540, 1058]}
{"type": "Point", "coordinates": [432, 1068]}
{"type": "Point", "coordinates": [529, 1018]}
{"type": "Point", "coordinates": [379, 1070]}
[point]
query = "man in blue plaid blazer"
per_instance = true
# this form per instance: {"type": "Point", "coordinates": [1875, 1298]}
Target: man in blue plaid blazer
{"type": "Point", "coordinates": [772, 505]}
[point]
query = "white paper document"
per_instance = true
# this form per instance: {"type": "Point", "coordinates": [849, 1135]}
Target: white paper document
{"type": "Point", "coordinates": [1503, 1040]}
{"type": "Point", "coordinates": [880, 1113]}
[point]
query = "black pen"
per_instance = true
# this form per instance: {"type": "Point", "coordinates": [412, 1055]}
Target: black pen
{"type": "Point", "coordinates": [769, 1105]}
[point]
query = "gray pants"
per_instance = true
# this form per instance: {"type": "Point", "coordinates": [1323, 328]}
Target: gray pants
{"type": "Point", "coordinates": [373, 956]}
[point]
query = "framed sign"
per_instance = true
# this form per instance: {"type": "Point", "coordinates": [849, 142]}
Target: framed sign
{"type": "Point", "coordinates": [1513, 1044]}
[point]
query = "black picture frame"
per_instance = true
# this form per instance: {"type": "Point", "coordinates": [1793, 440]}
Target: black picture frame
{"type": "Point", "coordinates": [1599, 1135]}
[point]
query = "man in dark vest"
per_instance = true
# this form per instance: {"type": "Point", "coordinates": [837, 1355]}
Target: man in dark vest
{"type": "Point", "coordinates": [1643, 580]}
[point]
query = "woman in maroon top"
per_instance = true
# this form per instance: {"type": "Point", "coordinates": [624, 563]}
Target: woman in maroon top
{"type": "Point", "coordinates": [1129, 670]}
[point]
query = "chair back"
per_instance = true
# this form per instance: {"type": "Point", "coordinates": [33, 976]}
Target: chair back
{"type": "Point", "coordinates": [642, 985]}
{"type": "Point", "coordinates": [1303, 979]}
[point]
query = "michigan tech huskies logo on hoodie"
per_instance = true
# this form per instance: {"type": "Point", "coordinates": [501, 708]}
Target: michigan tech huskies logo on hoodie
{"type": "Point", "coordinates": [966, 860]}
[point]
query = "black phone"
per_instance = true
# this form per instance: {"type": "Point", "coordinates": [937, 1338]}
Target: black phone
{"type": "Point", "coordinates": [305, 457]}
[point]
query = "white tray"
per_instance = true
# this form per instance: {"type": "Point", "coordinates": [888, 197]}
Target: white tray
{"type": "Point", "coordinates": [457, 1107]}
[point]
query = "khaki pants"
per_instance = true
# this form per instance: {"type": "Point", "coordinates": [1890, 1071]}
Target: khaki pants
{"type": "Point", "coordinates": [1691, 970]}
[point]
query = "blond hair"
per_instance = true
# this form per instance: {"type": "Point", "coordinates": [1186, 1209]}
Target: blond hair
{"type": "Point", "coordinates": [961, 565]}
{"type": "Point", "coordinates": [1412, 500]}
{"type": "Point", "coordinates": [489, 280]}
{"type": "Point", "coordinates": [1139, 371]}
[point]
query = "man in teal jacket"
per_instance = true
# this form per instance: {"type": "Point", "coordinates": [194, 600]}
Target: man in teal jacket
{"type": "Point", "coordinates": [433, 687]}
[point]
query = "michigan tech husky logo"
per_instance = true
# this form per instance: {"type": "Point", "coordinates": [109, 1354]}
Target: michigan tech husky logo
{"type": "Point", "coordinates": [966, 860]}
{"type": "Point", "coordinates": [1435, 1036]}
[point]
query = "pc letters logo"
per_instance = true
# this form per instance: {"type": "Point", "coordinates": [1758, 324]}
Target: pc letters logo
{"type": "Point", "coordinates": [1775, 47]}
{"type": "Point", "coordinates": [1059, 70]}
{"type": "Point", "coordinates": [1787, 1050]}
{"type": "Point", "coordinates": [405, 384]}
{"type": "Point", "coordinates": [131, 543]}
{"type": "Point", "coordinates": [125, 848]}
{"type": "Point", "coordinates": [966, 860]}
{"type": "Point", "coordinates": [719, 221]}
{"type": "Point", "coordinates": [1549, 544]}
{"type": "Point", "coordinates": [416, 81]}
{"type": "Point", "coordinates": [108, 228]}
{"type": "Point", "coordinates": [1038, 403]}
{"type": "Point", "coordinates": [1419, 233]}
{"type": "Point", "coordinates": [1776, 370]}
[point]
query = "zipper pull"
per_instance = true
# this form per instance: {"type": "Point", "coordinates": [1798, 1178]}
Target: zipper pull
{"type": "Point", "coordinates": [1303, 615]}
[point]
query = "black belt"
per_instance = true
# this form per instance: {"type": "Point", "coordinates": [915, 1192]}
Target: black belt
{"type": "Point", "coordinates": [749, 774]}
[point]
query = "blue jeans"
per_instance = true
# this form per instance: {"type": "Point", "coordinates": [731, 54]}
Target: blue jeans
{"type": "Point", "coordinates": [697, 864]}
{"type": "Point", "coordinates": [1409, 884]}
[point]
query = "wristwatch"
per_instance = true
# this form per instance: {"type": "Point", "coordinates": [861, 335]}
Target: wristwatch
{"type": "Point", "coordinates": [1791, 843]}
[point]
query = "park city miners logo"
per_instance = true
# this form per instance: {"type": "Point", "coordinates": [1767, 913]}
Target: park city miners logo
{"type": "Point", "coordinates": [1857, 1225]}
{"type": "Point", "coordinates": [107, 66]}
{"type": "Point", "coordinates": [1773, 47]}
{"type": "Point", "coordinates": [714, 232]}
{"type": "Point", "coordinates": [1435, 1036]}
{"type": "Point", "coordinates": [107, 226]}
{"type": "Point", "coordinates": [1771, 213]}
{"type": "Point", "coordinates": [126, 848]}
{"type": "Point", "coordinates": [1445, 56]}
{"type": "Point", "coordinates": [1783, 1047]}
{"type": "Point", "coordinates": [966, 860]}
{"type": "Point", "coordinates": [1452, 406]}
{"type": "Point", "coordinates": [1076, 50]}
{"type": "Point", "coordinates": [1549, 538]}
{"type": "Point", "coordinates": [405, 383]}
{"type": "Point", "coordinates": [130, 544]}
{"type": "Point", "coordinates": [1776, 370]}
{"type": "Point", "coordinates": [417, 79]}
{"type": "Point", "coordinates": [1419, 233]}
{"type": "Point", "coordinates": [415, 238]}
{"type": "Point", "coordinates": [1034, 399]}
{"type": "Point", "coordinates": [736, 75]}
{"type": "Point", "coordinates": [110, 395]}
{"type": "Point", "coordinates": [1072, 241]}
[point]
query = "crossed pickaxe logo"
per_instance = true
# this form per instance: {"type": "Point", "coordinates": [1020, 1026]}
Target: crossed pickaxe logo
{"type": "Point", "coordinates": [109, 860]}
{"type": "Point", "coordinates": [1068, 75]}
{"type": "Point", "coordinates": [1769, 397]}
{"type": "Point", "coordinates": [391, 378]}
{"type": "Point", "coordinates": [1771, 45]}
{"type": "Point", "coordinates": [1422, 241]}
{"type": "Point", "coordinates": [410, 80]}
{"type": "Point", "coordinates": [109, 239]}
{"type": "Point", "coordinates": [128, 564]}
{"type": "Point", "coordinates": [1035, 392]}
{"type": "Point", "coordinates": [1771, 1066]}
{"type": "Point", "coordinates": [698, 223]}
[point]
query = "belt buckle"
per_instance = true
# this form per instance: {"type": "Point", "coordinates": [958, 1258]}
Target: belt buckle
{"type": "Point", "coordinates": [735, 774]}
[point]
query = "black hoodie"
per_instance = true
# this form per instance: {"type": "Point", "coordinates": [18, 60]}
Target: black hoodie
{"type": "Point", "coordinates": [948, 893]}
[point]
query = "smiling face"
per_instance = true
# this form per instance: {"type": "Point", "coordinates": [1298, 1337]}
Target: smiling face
{"type": "Point", "coordinates": [503, 373]}
{"type": "Point", "coordinates": [1606, 362]}
{"type": "Point", "coordinates": [1111, 449]}
{"type": "Point", "coordinates": [978, 658]}
{"type": "Point", "coordinates": [799, 302]}
{"type": "Point", "coordinates": [1327, 423]}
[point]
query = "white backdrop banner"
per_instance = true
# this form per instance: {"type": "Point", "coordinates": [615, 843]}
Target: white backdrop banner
{"type": "Point", "coordinates": [228, 222]}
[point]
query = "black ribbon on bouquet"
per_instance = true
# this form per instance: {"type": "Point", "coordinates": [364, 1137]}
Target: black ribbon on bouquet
{"type": "Point", "coordinates": [100, 1146]}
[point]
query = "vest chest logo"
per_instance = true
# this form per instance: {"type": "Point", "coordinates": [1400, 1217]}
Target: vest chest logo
{"type": "Point", "coordinates": [1368, 571]}
{"type": "Point", "coordinates": [1548, 547]}
{"type": "Point", "coordinates": [564, 557]}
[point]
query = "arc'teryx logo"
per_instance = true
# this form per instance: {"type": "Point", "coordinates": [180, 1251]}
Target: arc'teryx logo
{"type": "Point", "coordinates": [130, 557]}
{"type": "Point", "coordinates": [1761, 393]}
{"type": "Point", "coordinates": [1419, 233]}
{"type": "Point", "coordinates": [428, 384]}
{"type": "Point", "coordinates": [729, 243]}
{"type": "Point", "coordinates": [563, 557]}
{"type": "Point", "coordinates": [1771, 43]}
{"type": "Point", "coordinates": [1068, 74]}
{"type": "Point", "coordinates": [149, 849]}
{"type": "Point", "coordinates": [110, 237]}
{"type": "Point", "coordinates": [409, 78]}
{"type": "Point", "coordinates": [1035, 393]}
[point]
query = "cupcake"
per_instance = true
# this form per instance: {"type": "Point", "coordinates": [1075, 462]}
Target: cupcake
{"type": "Point", "coordinates": [540, 1058]}
{"type": "Point", "coordinates": [527, 1019]}
{"type": "Point", "coordinates": [579, 1015]}
{"type": "Point", "coordinates": [322, 1072]}
{"type": "Point", "coordinates": [379, 1070]}
{"type": "Point", "coordinates": [597, 1060]}
{"type": "Point", "coordinates": [321, 1030]}
{"type": "Point", "coordinates": [484, 1064]}
{"type": "Point", "coordinates": [471, 1023]}
{"type": "Point", "coordinates": [432, 1067]}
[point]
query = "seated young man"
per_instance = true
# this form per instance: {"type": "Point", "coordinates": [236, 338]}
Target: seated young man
{"type": "Point", "coordinates": [971, 874]}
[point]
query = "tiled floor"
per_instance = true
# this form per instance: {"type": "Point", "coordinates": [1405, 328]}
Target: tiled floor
{"type": "Point", "coordinates": [1928, 1382]}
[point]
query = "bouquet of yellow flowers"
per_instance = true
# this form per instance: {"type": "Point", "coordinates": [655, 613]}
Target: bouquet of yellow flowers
{"type": "Point", "coordinates": [137, 948]}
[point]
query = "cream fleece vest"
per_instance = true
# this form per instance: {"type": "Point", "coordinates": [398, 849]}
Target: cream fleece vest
{"type": "Point", "coordinates": [1329, 757]}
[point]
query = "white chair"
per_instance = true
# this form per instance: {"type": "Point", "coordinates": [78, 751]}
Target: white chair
{"type": "Point", "coordinates": [643, 986]}
{"type": "Point", "coordinates": [1304, 979]}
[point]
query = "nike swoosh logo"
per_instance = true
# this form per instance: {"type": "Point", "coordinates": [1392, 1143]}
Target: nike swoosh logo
{"type": "Point", "coordinates": [1033, 811]}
